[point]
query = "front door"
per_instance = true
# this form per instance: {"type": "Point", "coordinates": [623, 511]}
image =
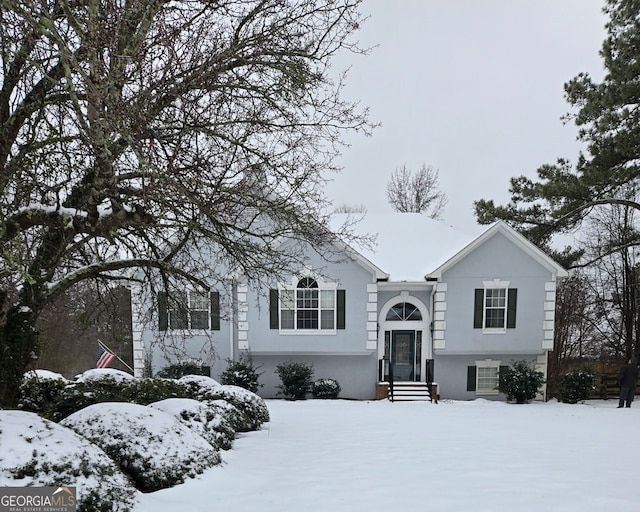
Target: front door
{"type": "Point", "coordinates": [403, 355]}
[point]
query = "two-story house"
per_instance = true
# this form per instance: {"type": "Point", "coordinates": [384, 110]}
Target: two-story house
{"type": "Point", "coordinates": [427, 304]}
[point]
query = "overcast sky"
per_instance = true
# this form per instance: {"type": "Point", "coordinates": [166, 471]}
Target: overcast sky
{"type": "Point", "coordinates": [473, 88]}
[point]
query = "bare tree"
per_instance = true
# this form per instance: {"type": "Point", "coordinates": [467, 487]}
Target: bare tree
{"type": "Point", "coordinates": [417, 192]}
{"type": "Point", "coordinates": [130, 130]}
{"type": "Point", "coordinates": [613, 268]}
{"type": "Point", "coordinates": [576, 325]}
{"type": "Point", "coordinates": [349, 208]}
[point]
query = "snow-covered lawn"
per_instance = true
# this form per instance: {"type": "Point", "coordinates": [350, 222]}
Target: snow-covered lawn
{"type": "Point", "coordinates": [348, 456]}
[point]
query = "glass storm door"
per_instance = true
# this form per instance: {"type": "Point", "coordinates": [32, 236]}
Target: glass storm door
{"type": "Point", "coordinates": [403, 355]}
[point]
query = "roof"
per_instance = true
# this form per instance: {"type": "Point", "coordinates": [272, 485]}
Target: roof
{"type": "Point", "coordinates": [510, 233]}
{"type": "Point", "coordinates": [412, 247]}
{"type": "Point", "coordinates": [409, 245]}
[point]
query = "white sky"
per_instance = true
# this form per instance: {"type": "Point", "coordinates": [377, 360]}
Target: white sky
{"type": "Point", "coordinates": [474, 89]}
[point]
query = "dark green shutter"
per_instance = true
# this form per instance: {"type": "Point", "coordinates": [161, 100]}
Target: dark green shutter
{"type": "Point", "coordinates": [163, 317]}
{"type": "Point", "coordinates": [478, 308]}
{"type": "Point", "coordinates": [274, 317]}
{"type": "Point", "coordinates": [512, 300]}
{"type": "Point", "coordinates": [471, 378]}
{"type": "Point", "coordinates": [341, 309]}
{"type": "Point", "coordinates": [215, 310]}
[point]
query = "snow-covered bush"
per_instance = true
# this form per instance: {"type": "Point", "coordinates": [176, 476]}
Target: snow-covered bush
{"type": "Point", "coordinates": [236, 419]}
{"type": "Point", "coordinates": [249, 404]}
{"type": "Point", "coordinates": [576, 386]}
{"type": "Point", "coordinates": [38, 452]}
{"type": "Point", "coordinates": [242, 373]}
{"type": "Point", "coordinates": [39, 390]}
{"type": "Point", "coordinates": [44, 375]}
{"type": "Point", "coordinates": [56, 399]}
{"type": "Point", "coordinates": [78, 395]}
{"type": "Point", "coordinates": [177, 370]}
{"type": "Point", "coordinates": [147, 391]}
{"type": "Point", "coordinates": [520, 382]}
{"type": "Point", "coordinates": [296, 379]}
{"type": "Point", "coordinates": [105, 374]}
{"type": "Point", "coordinates": [325, 388]}
{"type": "Point", "coordinates": [149, 445]}
{"type": "Point", "coordinates": [210, 420]}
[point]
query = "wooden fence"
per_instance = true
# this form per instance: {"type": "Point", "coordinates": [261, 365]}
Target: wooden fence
{"type": "Point", "coordinates": [606, 386]}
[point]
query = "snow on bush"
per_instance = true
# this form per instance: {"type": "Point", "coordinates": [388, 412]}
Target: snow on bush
{"type": "Point", "coordinates": [242, 372]}
{"type": "Point", "coordinates": [212, 422]}
{"type": "Point", "coordinates": [576, 386]}
{"type": "Point", "coordinates": [55, 399]}
{"type": "Point", "coordinates": [39, 390]}
{"type": "Point", "coordinates": [325, 388]}
{"type": "Point", "coordinates": [234, 417]}
{"type": "Point", "coordinates": [105, 373]}
{"type": "Point", "coordinates": [251, 405]}
{"type": "Point", "coordinates": [151, 446]}
{"type": "Point", "coordinates": [38, 452]}
{"type": "Point", "coordinates": [43, 375]}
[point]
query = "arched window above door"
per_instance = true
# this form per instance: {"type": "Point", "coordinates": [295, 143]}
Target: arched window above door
{"type": "Point", "coordinates": [404, 311]}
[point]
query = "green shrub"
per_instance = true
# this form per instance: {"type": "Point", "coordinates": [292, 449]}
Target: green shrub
{"type": "Point", "coordinates": [325, 388]}
{"type": "Point", "coordinates": [296, 379]}
{"type": "Point", "coordinates": [38, 395]}
{"type": "Point", "coordinates": [153, 448]}
{"type": "Point", "coordinates": [576, 386]}
{"type": "Point", "coordinates": [520, 382]}
{"type": "Point", "coordinates": [56, 399]}
{"type": "Point", "coordinates": [43, 453]}
{"type": "Point", "coordinates": [147, 391]}
{"type": "Point", "coordinates": [242, 373]}
{"type": "Point", "coordinates": [177, 370]}
{"type": "Point", "coordinates": [251, 410]}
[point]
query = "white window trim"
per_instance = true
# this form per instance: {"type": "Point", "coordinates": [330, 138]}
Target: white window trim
{"type": "Point", "coordinates": [486, 363]}
{"type": "Point", "coordinates": [322, 286]}
{"type": "Point", "coordinates": [188, 330]}
{"type": "Point", "coordinates": [493, 285]}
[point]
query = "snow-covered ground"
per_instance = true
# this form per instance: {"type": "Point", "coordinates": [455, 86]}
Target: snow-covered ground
{"type": "Point", "coordinates": [348, 456]}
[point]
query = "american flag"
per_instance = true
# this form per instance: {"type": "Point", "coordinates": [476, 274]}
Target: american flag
{"type": "Point", "coordinates": [105, 358]}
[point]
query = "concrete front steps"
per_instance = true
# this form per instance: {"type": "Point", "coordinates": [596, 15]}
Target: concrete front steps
{"type": "Point", "coordinates": [410, 392]}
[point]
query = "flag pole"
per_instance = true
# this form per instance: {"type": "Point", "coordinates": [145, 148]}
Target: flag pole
{"type": "Point", "coordinates": [104, 346]}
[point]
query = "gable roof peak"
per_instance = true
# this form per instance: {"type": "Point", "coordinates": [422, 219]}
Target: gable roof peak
{"type": "Point", "coordinates": [514, 236]}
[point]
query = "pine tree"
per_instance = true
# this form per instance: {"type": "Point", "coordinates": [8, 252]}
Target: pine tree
{"type": "Point", "coordinates": [608, 119]}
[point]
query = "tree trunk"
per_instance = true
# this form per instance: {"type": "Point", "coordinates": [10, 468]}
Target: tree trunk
{"type": "Point", "coordinates": [18, 347]}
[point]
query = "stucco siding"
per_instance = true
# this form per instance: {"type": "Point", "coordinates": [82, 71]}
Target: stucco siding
{"type": "Point", "coordinates": [450, 373]}
{"type": "Point", "coordinates": [355, 374]}
{"type": "Point", "coordinates": [349, 276]}
{"type": "Point", "coordinates": [210, 348]}
{"type": "Point", "coordinates": [497, 259]}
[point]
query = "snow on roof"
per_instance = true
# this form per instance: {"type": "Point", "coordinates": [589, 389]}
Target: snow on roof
{"type": "Point", "coordinates": [410, 245]}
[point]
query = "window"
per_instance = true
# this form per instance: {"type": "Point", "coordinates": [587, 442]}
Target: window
{"type": "Point", "coordinates": [189, 310]}
{"type": "Point", "coordinates": [404, 311]}
{"type": "Point", "coordinates": [310, 306]}
{"type": "Point", "coordinates": [483, 377]}
{"type": "Point", "coordinates": [487, 379]}
{"type": "Point", "coordinates": [495, 308]}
